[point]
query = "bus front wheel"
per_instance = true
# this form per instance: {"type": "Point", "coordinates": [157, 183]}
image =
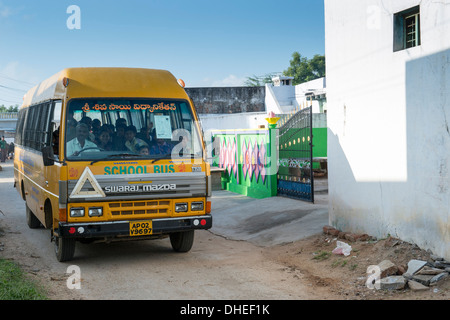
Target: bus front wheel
{"type": "Point", "coordinates": [64, 248]}
{"type": "Point", "coordinates": [182, 241]}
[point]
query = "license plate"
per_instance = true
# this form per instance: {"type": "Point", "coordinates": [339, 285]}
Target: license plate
{"type": "Point", "coordinates": [140, 228]}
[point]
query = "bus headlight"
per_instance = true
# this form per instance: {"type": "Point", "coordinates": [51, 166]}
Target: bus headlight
{"type": "Point", "coordinates": [197, 206]}
{"type": "Point", "coordinates": [77, 212]}
{"type": "Point", "coordinates": [181, 207]}
{"type": "Point", "coordinates": [95, 212]}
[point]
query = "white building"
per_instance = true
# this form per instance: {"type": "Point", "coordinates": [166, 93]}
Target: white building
{"type": "Point", "coordinates": [282, 97]}
{"type": "Point", "coordinates": [388, 96]}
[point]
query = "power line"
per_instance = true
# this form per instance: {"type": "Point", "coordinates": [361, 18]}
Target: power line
{"type": "Point", "coordinates": [14, 89]}
{"type": "Point", "coordinates": [21, 81]}
{"type": "Point", "coordinates": [9, 101]}
{"type": "Point", "coordinates": [11, 96]}
{"type": "Point", "coordinates": [8, 94]}
{"type": "Point", "coordinates": [11, 91]}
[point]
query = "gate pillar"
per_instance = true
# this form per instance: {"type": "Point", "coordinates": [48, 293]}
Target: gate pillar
{"type": "Point", "coordinates": [272, 154]}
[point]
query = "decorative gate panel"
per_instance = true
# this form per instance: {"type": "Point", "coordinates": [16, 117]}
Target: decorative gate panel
{"type": "Point", "coordinates": [295, 175]}
{"type": "Point", "coordinates": [244, 156]}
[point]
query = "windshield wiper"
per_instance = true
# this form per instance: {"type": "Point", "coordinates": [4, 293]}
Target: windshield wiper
{"type": "Point", "coordinates": [161, 157]}
{"type": "Point", "coordinates": [114, 155]}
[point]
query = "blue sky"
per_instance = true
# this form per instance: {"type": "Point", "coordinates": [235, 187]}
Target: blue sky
{"type": "Point", "coordinates": [203, 42]}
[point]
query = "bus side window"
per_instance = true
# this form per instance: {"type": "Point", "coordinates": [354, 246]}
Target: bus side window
{"type": "Point", "coordinates": [41, 139]}
{"type": "Point", "coordinates": [29, 127]}
{"type": "Point", "coordinates": [55, 122]}
{"type": "Point", "coordinates": [19, 131]}
{"type": "Point", "coordinates": [38, 112]}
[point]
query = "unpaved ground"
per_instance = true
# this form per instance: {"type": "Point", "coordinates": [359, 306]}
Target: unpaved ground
{"type": "Point", "coordinates": [16, 249]}
{"type": "Point", "coordinates": [216, 268]}
{"type": "Point", "coordinates": [300, 270]}
{"type": "Point", "coordinates": [339, 277]}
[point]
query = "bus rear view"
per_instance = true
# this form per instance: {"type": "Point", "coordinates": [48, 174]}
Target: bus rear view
{"type": "Point", "coordinates": [125, 162]}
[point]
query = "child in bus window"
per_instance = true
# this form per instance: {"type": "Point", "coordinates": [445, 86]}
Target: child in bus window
{"type": "Point", "coordinates": [143, 150]}
{"type": "Point", "coordinates": [131, 142]}
{"type": "Point", "coordinates": [103, 140]}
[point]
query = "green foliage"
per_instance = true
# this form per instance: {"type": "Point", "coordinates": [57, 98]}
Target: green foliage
{"type": "Point", "coordinates": [14, 285]}
{"type": "Point", "coordinates": [258, 81]}
{"type": "Point", "coordinates": [301, 68]}
{"type": "Point", "coordinates": [304, 69]}
{"type": "Point", "coordinates": [10, 109]}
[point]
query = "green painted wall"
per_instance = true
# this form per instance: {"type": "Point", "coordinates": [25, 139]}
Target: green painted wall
{"type": "Point", "coordinates": [237, 179]}
{"type": "Point", "coordinates": [319, 144]}
{"type": "Point", "coordinates": [249, 175]}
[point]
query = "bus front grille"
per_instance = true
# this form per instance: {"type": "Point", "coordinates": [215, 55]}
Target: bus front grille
{"type": "Point", "coordinates": [139, 208]}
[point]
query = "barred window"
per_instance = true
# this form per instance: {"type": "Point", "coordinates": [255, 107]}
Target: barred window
{"type": "Point", "coordinates": [407, 29]}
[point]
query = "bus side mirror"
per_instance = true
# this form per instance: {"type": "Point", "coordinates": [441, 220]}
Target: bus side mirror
{"type": "Point", "coordinates": [47, 156]}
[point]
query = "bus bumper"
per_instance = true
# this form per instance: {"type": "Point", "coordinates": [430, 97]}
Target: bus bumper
{"type": "Point", "coordinates": [122, 228]}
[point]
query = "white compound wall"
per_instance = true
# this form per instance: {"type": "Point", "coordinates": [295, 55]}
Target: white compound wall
{"type": "Point", "coordinates": [388, 122]}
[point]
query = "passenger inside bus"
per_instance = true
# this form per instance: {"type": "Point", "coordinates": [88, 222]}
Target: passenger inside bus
{"type": "Point", "coordinates": [161, 147]}
{"type": "Point", "coordinates": [80, 142]}
{"type": "Point", "coordinates": [55, 142]}
{"type": "Point", "coordinates": [119, 138]}
{"type": "Point", "coordinates": [96, 125]}
{"type": "Point", "coordinates": [118, 131]}
{"type": "Point", "coordinates": [103, 139]}
{"type": "Point", "coordinates": [146, 135]}
{"type": "Point", "coordinates": [143, 150]}
{"type": "Point", "coordinates": [131, 141]}
{"type": "Point", "coordinates": [88, 122]}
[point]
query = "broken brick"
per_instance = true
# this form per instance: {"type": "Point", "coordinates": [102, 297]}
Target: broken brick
{"type": "Point", "coordinates": [326, 229]}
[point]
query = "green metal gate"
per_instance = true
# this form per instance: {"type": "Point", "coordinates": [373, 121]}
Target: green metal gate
{"type": "Point", "coordinates": [295, 172]}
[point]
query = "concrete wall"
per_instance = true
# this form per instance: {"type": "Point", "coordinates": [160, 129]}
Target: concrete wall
{"type": "Point", "coordinates": [210, 122]}
{"type": "Point", "coordinates": [285, 95]}
{"type": "Point", "coordinates": [271, 101]}
{"type": "Point", "coordinates": [388, 119]}
{"type": "Point", "coordinates": [228, 99]}
{"type": "Point", "coordinates": [250, 120]}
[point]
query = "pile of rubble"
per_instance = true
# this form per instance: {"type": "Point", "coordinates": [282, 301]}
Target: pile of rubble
{"type": "Point", "coordinates": [420, 275]}
{"type": "Point", "coordinates": [417, 275]}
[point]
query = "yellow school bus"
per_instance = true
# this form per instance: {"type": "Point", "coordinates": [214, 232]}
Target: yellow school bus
{"type": "Point", "coordinates": [106, 154]}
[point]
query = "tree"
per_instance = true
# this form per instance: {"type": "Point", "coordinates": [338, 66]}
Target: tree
{"type": "Point", "coordinates": [304, 69]}
{"type": "Point", "coordinates": [10, 109]}
{"type": "Point", "coordinates": [317, 64]}
{"type": "Point", "coordinates": [13, 108]}
{"type": "Point", "coordinates": [258, 81]}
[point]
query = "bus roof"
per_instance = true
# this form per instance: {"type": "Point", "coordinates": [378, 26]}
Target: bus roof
{"type": "Point", "coordinates": [106, 82]}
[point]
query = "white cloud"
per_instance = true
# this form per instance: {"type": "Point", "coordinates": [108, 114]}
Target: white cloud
{"type": "Point", "coordinates": [10, 69]}
{"type": "Point", "coordinates": [18, 79]}
{"type": "Point", "coordinates": [5, 11]}
{"type": "Point", "coordinates": [24, 74]}
{"type": "Point", "coordinates": [229, 81]}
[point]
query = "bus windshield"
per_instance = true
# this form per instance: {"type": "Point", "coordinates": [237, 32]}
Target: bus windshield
{"type": "Point", "coordinates": [109, 128]}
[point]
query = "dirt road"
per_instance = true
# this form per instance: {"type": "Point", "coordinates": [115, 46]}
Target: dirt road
{"type": "Point", "coordinates": [215, 268]}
